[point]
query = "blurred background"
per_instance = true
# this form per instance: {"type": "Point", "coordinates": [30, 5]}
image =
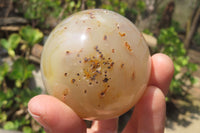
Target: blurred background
{"type": "Point", "coordinates": [169, 26]}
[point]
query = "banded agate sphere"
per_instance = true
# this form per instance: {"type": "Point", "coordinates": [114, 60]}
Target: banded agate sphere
{"type": "Point", "coordinates": [97, 62]}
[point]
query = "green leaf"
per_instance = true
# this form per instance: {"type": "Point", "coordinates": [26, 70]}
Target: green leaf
{"type": "Point", "coordinates": [26, 94]}
{"type": "Point", "coordinates": [193, 80]}
{"type": "Point", "coordinates": [166, 99]}
{"type": "Point", "coordinates": [22, 121]}
{"type": "Point", "coordinates": [6, 98]}
{"type": "Point", "coordinates": [3, 71]}
{"type": "Point", "coordinates": [11, 44]}
{"type": "Point", "coordinates": [21, 70]}
{"type": "Point", "coordinates": [27, 129]}
{"type": "Point", "coordinates": [9, 104]}
{"type": "Point", "coordinates": [192, 67]}
{"type": "Point", "coordinates": [147, 31]}
{"type": "Point", "coordinates": [30, 35]}
{"type": "Point", "coordinates": [3, 117]}
{"type": "Point", "coordinates": [2, 98]}
{"type": "Point", "coordinates": [18, 83]}
{"type": "Point", "coordinates": [18, 100]}
{"type": "Point", "coordinates": [91, 3]}
{"type": "Point", "coordinates": [172, 45]}
{"type": "Point", "coordinates": [141, 5]}
{"type": "Point", "coordinates": [78, 5]}
{"type": "Point", "coordinates": [177, 67]}
{"type": "Point", "coordinates": [4, 102]}
{"type": "Point", "coordinates": [5, 44]}
{"type": "Point", "coordinates": [9, 125]}
{"type": "Point", "coordinates": [11, 52]}
{"type": "Point", "coordinates": [12, 41]}
{"type": "Point", "coordinates": [9, 93]}
{"type": "Point", "coordinates": [71, 4]}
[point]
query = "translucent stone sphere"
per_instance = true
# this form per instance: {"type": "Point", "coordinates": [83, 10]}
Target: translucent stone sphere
{"type": "Point", "coordinates": [97, 62]}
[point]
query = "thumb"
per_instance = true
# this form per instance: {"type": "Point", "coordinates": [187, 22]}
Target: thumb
{"type": "Point", "coordinates": [55, 116]}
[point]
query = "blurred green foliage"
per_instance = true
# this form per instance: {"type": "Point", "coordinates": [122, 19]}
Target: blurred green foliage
{"type": "Point", "coordinates": [30, 35]}
{"type": "Point", "coordinates": [38, 11]}
{"type": "Point", "coordinates": [114, 5]}
{"type": "Point", "coordinates": [171, 45]}
{"type": "Point", "coordinates": [11, 43]}
{"type": "Point", "coordinates": [14, 115]}
{"type": "Point", "coordinates": [14, 90]}
{"type": "Point", "coordinates": [141, 6]}
{"type": "Point", "coordinates": [21, 71]}
{"type": "Point", "coordinates": [147, 31]}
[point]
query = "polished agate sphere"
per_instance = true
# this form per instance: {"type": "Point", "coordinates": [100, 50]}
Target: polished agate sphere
{"type": "Point", "coordinates": [97, 62]}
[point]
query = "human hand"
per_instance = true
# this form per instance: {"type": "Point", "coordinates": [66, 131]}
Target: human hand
{"type": "Point", "coordinates": [148, 115]}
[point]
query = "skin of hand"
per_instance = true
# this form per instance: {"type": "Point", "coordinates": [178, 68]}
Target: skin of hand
{"type": "Point", "coordinates": [148, 115]}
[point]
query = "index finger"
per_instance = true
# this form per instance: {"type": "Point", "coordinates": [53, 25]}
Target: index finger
{"type": "Point", "coordinates": [162, 70]}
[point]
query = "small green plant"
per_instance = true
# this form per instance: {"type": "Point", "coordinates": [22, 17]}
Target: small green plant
{"type": "Point", "coordinates": [171, 45]}
{"type": "Point", "coordinates": [27, 37]}
{"type": "Point", "coordinates": [30, 36]}
{"type": "Point", "coordinates": [11, 44]}
{"type": "Point", "coordinates": [13, 111]}
{"type": "Point", "coordinates": [21, 71]}
{"type": "Point", "coordinates": [14, 78]}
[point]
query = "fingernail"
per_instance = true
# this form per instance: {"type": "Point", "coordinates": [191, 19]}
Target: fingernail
{"type": "Point", "coordinates": [33, 115]}
{"type": "Point", "coordinates": [39, 119]}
